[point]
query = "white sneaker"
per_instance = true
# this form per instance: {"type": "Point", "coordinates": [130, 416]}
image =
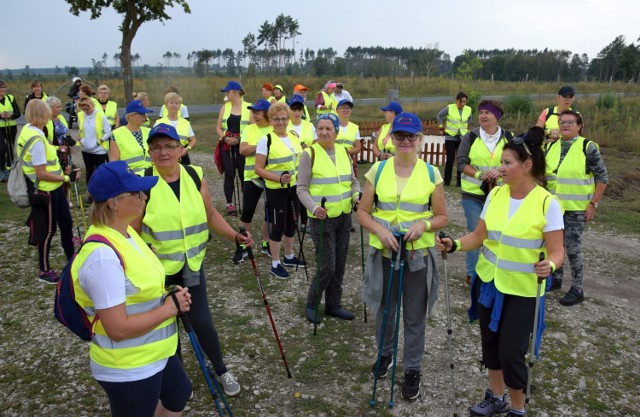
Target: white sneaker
{"type": "Point", "coordinates": [229, 384]}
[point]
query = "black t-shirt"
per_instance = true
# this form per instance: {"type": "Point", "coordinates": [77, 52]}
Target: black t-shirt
{"type": "Point", "coordinates": [233, 123]}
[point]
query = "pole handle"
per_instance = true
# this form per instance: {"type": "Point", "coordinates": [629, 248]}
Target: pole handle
{"type": "Point", "coordinates": [243, 232]}
{"type": "Point", "coordinates": [323, 201]}
{"type": "Point", "coordinates": [185, 320]}
{"type": "Point", "coordinates": [444, 254]}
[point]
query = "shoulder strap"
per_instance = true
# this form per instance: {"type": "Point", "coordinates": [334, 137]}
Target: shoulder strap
{"type": "Point", "coordinates": [104, 240]}
{"type": "Point", "coordinates": [378, 172]}
{"type": "Point", "coordinates": [549, 113]}
{"type": "Point", "coordinates": [313, 155]}
{"type": "Point", "coordinates": [508, 135]}
{"type": "Point", "coordinates": [26, 146]}
{"type": "Point", "coordinates": [472, 138]}
{"type": "Point", "coordinates": [431, 173]}
{"type": "Point", "coordinates": [194, 176]}
{"type": "Point", "coordinates": [266, 161]}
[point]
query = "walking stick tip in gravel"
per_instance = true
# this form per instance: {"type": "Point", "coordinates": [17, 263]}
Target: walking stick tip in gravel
{"type": "Point", "coordinates": [534, 335]}
{"type": "Point", "coordinates": [442, 235]}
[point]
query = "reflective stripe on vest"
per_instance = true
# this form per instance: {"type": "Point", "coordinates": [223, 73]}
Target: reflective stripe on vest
{"type": "Point", "coordinates": [52, 165]}
{"type": "Point", "coordinates": [178, 230]}
{"type": "Point", "coordinates": [244, 117]}
{"type": "Point", "coordinates": [456, 123]}
{"type": "Point", "coordinates": [481, 159]}
{"type": "Point", "coordinates": [251, 135]}
{"type": "Point", "coordinates": [331, 180]}
{"type": "Point", "coordinates": [7, 107]}
{"type": "Point", "coordinates": [182, 128]}
{"type": "Point", "coordinates": [131, 152]}
{"type": "Point", "coordinates": [347, 137]}
{"type": "Point", "coordinates": [384, 132]}
{"type": "Point", "coordinates": [281, 159]}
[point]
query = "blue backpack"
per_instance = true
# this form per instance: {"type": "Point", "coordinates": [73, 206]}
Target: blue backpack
{"type": "Point", "coordinates": [65, 307]}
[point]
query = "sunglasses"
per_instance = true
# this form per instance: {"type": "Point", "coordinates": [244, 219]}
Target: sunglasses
{"type": "Point", "coordinates": [410, 137]}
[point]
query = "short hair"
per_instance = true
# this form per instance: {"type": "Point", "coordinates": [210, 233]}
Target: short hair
{"type": "Point", "coordinates": [101, 214]}
{"type": "Point", "coordinates": [36, 82]}
{"type": "Point", "coordinates": [86, 89]}
{"type": "Point", "coordinates": [53, 101]}
{"type": "Point", "coordinates": [86, 100]}
{"type": "Point", "coordinates": [104, 87]}
{"type": "Point", "coordinates": [278, 108]}
{"type": "Point", "coordinates": [327, 84]}
{"type": "Point", "coordinates": [3, 84]}
{"type": "Point", "coordinates": [461, 95]}
{"type": "Point", "coordinates": [575, 114]}
{"type": "Point", "coordinates": [140, 95]}
{"type": "Point", "coordinates": [37, 113]}
{"type": "Point", "coordinates": [494, 103]}
{"type": "Point", "coordinates": [171, 95]}
{"type": "Point", "coordinates": [172, 89]}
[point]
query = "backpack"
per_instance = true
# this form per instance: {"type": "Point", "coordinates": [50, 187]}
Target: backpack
{"type": "Point", "coordinates": [65, 307]}
{"type": "Point", "coordinates": [17, 184]}
{"type": "Point", "coordinates": [192, 173]}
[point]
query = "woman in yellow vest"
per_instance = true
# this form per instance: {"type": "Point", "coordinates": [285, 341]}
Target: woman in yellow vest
{"type": "Point", "coordinates": [267, 92]}
{"type": "Point", "coordinates": [253, 184]}
{"type": "Point", "coordinates": [49, 207]}
{"type": "Point", "coordinates": [325, 99]}
{"type": "Point", "coordinates": [109, 107]}
{"type": "Point", "coordinates": [277, 162]}
{"type": "Point", "coordinates": [183, 112]}
{"type": "Point", "coordinates": [479, 162]}
{"type": "Point", "coordinates": [133, 348]}
{"type": "Point", "coordinates": [57, 131]}
{"type": "Point", "coordinates": [304, 129]}
{"type": "Point", "coordinates": [36, 93]}
{"type": "Point", "coordinates": [454, 123]}
{"type": "Point", "coordinates": [9, 112]}
{"type": "Point", "coordinates": [409, 200]}
{"type": "Point", "coordinates": [173, 103]}
{"type": "Point", "coordinates": [176, 224]}
{"type": "Point", "coordinates": [382, 141]}
{"type": "Point", "coordinates": [234, 116]}
{"type": "Point", "coordinates": [278, 95]}
{"type": "Point", "coordinates": [549, 117]}
{"type": "Point", "coordinates": [129, 142]}
{"type": "Point", "coordinates": [325, 171]}
{"type": "Point", "coordinates": [146, 102]}
{"type": "Point", "coordinates": [349, 133]}
{"type": "Point", "coordinates": [94, 135]}
{"type": "Point", "coordinates": [519, 221]}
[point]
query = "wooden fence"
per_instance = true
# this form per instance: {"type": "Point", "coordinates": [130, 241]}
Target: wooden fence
{"type": "Point", "coordinates": [432, 150]}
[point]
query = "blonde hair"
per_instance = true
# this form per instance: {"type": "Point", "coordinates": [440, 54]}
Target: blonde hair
{"type": "Point", "coordinates": [104, 87]}
{"type": "Point", "coordinates": [172, 96]}
{"type": "Point", "coordinates": [278, 108]}
{"type": "Point", "coordinates": [140, 96]}
{"type": "Point", "coordinates": [101, 214]}
{"type": "Point", "coordinates": [37, 113]}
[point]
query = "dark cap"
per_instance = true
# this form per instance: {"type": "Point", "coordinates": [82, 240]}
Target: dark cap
{"type": "Point", "coordinates": [567, 90]}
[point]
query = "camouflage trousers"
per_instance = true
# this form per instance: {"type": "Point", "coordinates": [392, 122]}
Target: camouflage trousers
{"type": "Point", "coordinates": [574, 223]}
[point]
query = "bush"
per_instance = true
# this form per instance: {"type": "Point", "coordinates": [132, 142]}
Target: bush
{"type": "Point", "coordinates": [518, 104]}
{"type": "Point", "coordinates": [608, 101]}
{"type": "Point", "coordinates": [473, 99]}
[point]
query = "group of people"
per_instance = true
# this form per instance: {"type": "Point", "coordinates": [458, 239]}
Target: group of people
{"type": "Point", "coordinates": [526, 200]}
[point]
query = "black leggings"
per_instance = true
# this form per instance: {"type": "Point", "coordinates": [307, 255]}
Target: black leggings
{"type": "Point", "coordinates": [91, 162]}
{"type": "Point", "coordinates": [250, 198]}
{"type": "Point", "coordinates": [280, 212]}
{"type": "Point", "coordinates": [233, 162]}
{"type": "Point", "coordinates": [451, 147]}
{"type": "Point", "coordinates": [7, 146]}
{"type": "Point", "coordinates": [56, 214]}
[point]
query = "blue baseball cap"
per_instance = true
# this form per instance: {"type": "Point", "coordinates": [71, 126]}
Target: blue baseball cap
{"type": "Point", "coordinates": [115, 178]}
{"type": "Point", "coordinates": [163, 130]}
{"type": "Point", "coordinates": [136, 107]}
{"type": "Point", "coordinates": [343, 102]}
{"type": "Point", "coordinates": [406, 122]}
{"type": "Point", "coordinates": [296, 99]}
{"type": "Point", "coordinates": [393, 106]}
{"type": "Point", "coordinates": [261, 104]}
{"type": "Point", "coordinates": [232, 85]}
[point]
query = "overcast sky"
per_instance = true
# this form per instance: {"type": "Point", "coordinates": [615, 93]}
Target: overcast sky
{"type": "Point", "coordinates": [42, 33]}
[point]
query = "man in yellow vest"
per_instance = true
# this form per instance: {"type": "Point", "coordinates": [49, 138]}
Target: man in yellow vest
{"type": "Point", "coordinates": [9, 112]}
{"type": "Point", "coordinates": [454, 123]}
{"type": "Point", "coordinates": [549, 117]}
{"type": "Point", "coordinates": [576, 174]}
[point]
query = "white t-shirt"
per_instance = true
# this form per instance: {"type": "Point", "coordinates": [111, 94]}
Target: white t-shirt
{"type": "Point", "coordinates": [105, 293]}
{"type": "Point", "coordinates": [343, 129]}
{"type": "Point", "coordinates": [553, 216]}
{"type": "Point", "coordinates": [38, 153]}
{"type": "Point", "coordinates": [261, 148]}
{"type": "Point", "coordinates": [174, 123]}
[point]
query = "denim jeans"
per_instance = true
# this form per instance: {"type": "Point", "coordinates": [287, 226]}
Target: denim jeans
{"type": "Point", "coordinates": [472, 210]}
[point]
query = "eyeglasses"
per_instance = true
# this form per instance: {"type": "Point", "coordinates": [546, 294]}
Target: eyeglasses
{"type": "Point", "coordinates": [280, 119]}
{"type": "Point", "coordinates": [159, 148]}
{"type": "Point", "coordinates": [519, 140]}
{"type": "Point", "coordinates": [567, 123]}
{"type": "Point", "coordinates": [410, 137]}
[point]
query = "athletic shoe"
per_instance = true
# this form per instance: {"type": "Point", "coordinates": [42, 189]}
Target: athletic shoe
{"type": "Point", "coordinates": [514, 414]}
{"type": "Point", "coordinates": [279, 272]}
{"type": "Point", "coordinates": [265, 249]}
{"type": "Point", "coordinates": [48, 277]}
{"type": "Point", "coordinates": [573, 297]}
{"type": "Point", "coordinates": [489, 406]}
{"type": "Point", "coordinates": [339, 312]}
{"type": "Point", "coordinates": [556, 284]}
{"type": "Point", "coordinates": [239, 255]}
{"type": "Point", "coordinates": [293, 262]}
{"type": "Point", "coordinates": [229, 384]}
{"type": "Point", "coordinates": [231, 210]}
{"type": "Point", "coordinates": [386, 362]}
{"type": "Point", "coordinates": [411, 386]}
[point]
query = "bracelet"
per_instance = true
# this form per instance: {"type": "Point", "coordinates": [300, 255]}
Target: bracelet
{"type": "Point", "coordinates": [553, 266]}
{"type": "Point", "coordinates": [477, 174]}
{"type": "Point", "coordinates": [67, 178]}
{"type": "Point", "coordinates": [189, 148]}
{"type": "Point", "coordinates": [455, 245]}
{"type": "Point", "coordinates": [458, 244]}
{"type": "Point", "coordinates": [428, 223]}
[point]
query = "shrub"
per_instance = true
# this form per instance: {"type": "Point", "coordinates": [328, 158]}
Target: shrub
{"type": "Point", "coordinates": [518, 104]}
{"type": "Point", "coordinates": [608, 101]}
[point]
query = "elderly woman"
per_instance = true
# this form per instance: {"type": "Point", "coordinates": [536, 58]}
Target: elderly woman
{"type": "Point", "coordinates": [9, 112]}
{"type": "Point", "coordinates": [129, 142]}
{"type": "Point", "coordinates": [383, 144]}
{"type": "Point", "coordinates": [49, 207]}
{"type": "Point", "coordinates": [519, 221]}
{"type": "Point", "coordinates": [325, 99]}
{"type": "Point", "coordinates": [179, 209]}
{"type": "Point", "coordinates": [276, 162]}
{"type": "Point", "coordinates": [232, 119]}
{"type": "Point", "coordinates": [109, 107]}
{"type": "Point", "coordinates": [184, 111]}
{"type": "Point", "coordinates": [173, 103]}
{"type": "Point", "coordinates": [133, 349]}
{"type": "Point", "coordinates": [36, 93]}
{"type": "Point", "coordinates": [57, 134]}
{"type": "Point", "coordinates": [94, 135]}
{"type": "Point", "coordinates": [409, 208]}
{"type": "Point", "coordinates": [479, 161]}
{"type": "Point", "coordinates": [325, 171]}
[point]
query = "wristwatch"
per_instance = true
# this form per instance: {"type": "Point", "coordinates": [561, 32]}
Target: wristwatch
{"type": "Point", "coordinates": [594, 204]}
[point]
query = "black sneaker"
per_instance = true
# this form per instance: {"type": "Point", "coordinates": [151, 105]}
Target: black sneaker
{"type": "Point", "coordinates": [385, 364]}
{"type": "Point", "coordinates": [411, 387]}
{"type": "Point", "coordinates": [293, 262]}
{"type": "Point", "coordinates": [239, 255]}
{"type": "Point", "coordinates": [489, 406]}
{"type": "Point", "coordinates": [556, 284]}
{"type": "Point", "coordinates": [573, 297]}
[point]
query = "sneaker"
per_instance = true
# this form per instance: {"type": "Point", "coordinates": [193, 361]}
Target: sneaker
{"type": "Point", "coordinates": [573, 297]}
{"type": "Point", "coordinates": [279, 272]}
{"type": "Point", "coordinates": [556, 284]}
{"type": "Point", "coordinates": [48, 277]}
{"type": "Point", "coordinates": [231, 210]}
{"type": "Point", "coordinates": [229, 384]}
{"type": "Point", "coordinates": [265, 249]}
{"type": "Point", "coordinates": [239, 255]}
{"type": "Point", "coordinates": [339, 312]}
{"type": "Point", "coordinates": [293, 262]}
{"type": "Point", "coordinates": [489, 406]}
{"type": "Point", "coordinates": [514, 414]}
{"type": "Point", "coordinates": [386, 362]}
{"type": "Point", "coordinates": [411, 386]}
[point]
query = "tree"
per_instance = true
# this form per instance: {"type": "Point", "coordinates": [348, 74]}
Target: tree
{"type": "Point", "coordinates": [470, 66]}
{"type": "Point", "coordinates": [134, 14]}
{"type": "Point", "coordinates": [167, 58]}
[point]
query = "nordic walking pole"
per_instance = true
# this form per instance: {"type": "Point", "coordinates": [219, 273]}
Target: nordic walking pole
{"type": "Point", "coordinates": [364, 305]}
{"type": "Point", "coordinates": [385, 314]}
{"type": "Point", "coordinates": [234, 196]}
{"type": "Point", "coordinates": [237, 182]}
{"type": "Point", "coordinates": [214, 387]}
{"type": "Point", "coordinates": [449, 332]}
{"type": "Point", "coordinates": [295, 220]}
{"type": "Point", "coordinates": [318, 262]}
{"type": "Point", "coordinates": [300, 253]}
{"type": "Point", "coordinates": [534, 335]}
{"type": "Point", "coordinates": [397, 328]}
{"type": "Point", "coordinates": [243, 232]}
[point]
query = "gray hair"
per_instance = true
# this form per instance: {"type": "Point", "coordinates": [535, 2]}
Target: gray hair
{"type": "Point", "coordinates": [53, 101]}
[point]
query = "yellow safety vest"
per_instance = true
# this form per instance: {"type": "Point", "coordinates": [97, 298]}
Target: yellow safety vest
{"type": "Point", "coordinates": [182, 128]}
{"type": "Point", "coordinates": [52, 166]}
{"type": "Point", "coordinates": [513, 245]}
{"type": "Point", "coordinates": [457, 124]}
{"type": "Point", "coordinates": [282, 99]}
{"type": "Point", "coordinates": [389, 146]}
{"type": "Point", "coordinates": [111, 111]}
{"type": "Point", "coordinates": [145, 272]}
{"type": "Point", "coordinates": [165, 112]}
{"type": "Point", "coordinates": [306, 113]}
{"type": "Point", "coordinates": [7, 107]}
{"type": "Point", "coordinates": [404, 210]}
{"type": "Point", "coordinates": [569, 180]}
{"type": "Point", "coordinates": [481, 159]}
{"type": "Point", "coordinates": [244, 117]}
{"type": "Point", "coordinates": [347, 137]}
{"type": "Point", "coordinates": [306, 132]}
{"type": "Point", "coordinates": [552, 121]}
{"type": "Point", "coordinates": [330, 180]}
{"type": "Point", "coordinates": [329, 102]}
{"type": "Point", "coordinates": [131, 152]}
{"type": "Point", "coordinates": [178, 230]}
{"type": "Point", "coordinates": [51, 129]}
{"type": "Point", "coordinates": [251, 135]}
{"type": "Point", "coordinates": [281, 159]}
{"type": "Point", "coordinates": [99, 127]}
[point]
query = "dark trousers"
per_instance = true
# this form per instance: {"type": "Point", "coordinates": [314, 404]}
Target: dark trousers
{"type": "Point", "coordinates": [451, 147]}
{"type": "Point", "coordinates": [91, 163]}
{"type": "Point", "coordinates": [233, 163]}
{"type": "Point", "coordinates": [56, 215]}
{"type": "Point", "coordinates": [7, 146]}
{"type": "Point", "coordinates": [281, 204]}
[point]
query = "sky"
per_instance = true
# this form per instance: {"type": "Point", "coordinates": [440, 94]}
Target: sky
{"type": "Point", "coordinates": [42, 33]}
